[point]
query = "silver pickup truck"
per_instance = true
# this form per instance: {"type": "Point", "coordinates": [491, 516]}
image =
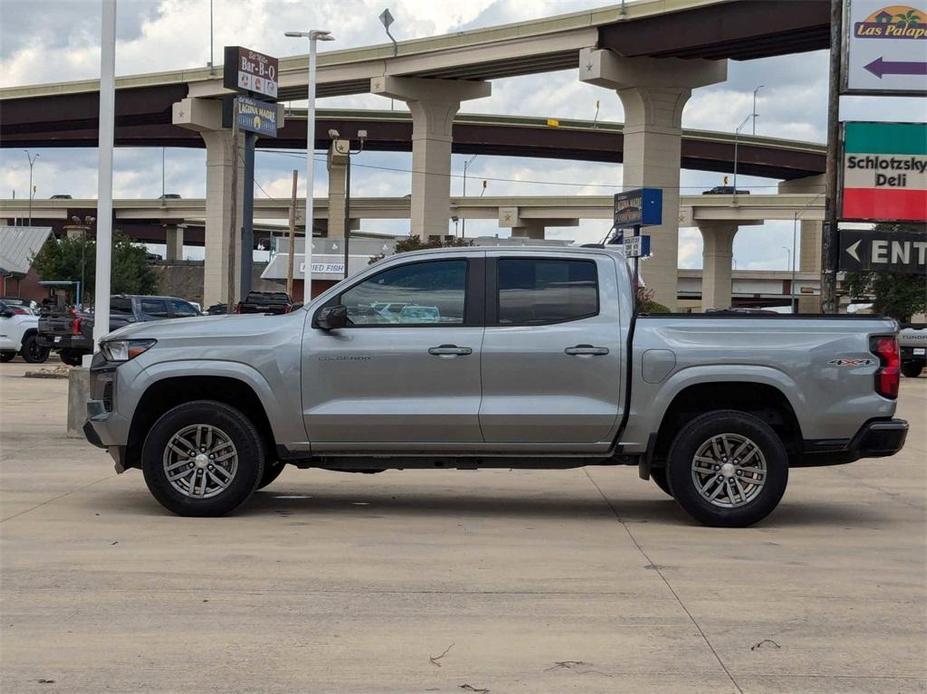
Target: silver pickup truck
{"type": "Point", "coordinates": [495, 357]}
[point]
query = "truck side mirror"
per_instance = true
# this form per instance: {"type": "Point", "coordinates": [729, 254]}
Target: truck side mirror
{"type": "Point", "coordinates": [332, 317]}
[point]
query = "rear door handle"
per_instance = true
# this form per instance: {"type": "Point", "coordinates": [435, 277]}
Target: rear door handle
{"type": "Point", "coordinates": [449, 351]}
{"type": "Point", "coordinates": [586, 351]}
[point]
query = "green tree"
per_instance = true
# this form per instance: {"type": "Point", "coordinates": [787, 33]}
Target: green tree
{"type": "Point", "coordinates": [74, 260]}
{"type": "Point", "coordinates": [414, 243]}
{"type": "Point", "coordinates": [895, 294]}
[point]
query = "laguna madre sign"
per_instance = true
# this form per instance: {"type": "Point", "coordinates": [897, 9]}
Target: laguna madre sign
{"type": "Point", "coordinates": [884, 172]}
{"type": "Point", "coordinates": [885, 47]}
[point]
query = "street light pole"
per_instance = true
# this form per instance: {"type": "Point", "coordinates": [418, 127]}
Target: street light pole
{"type": "Point", "coordinates": [31, 161]}
{"type": "Point", "coordinates": [754, 106]}
{"type": "Point", "coordinates": [463, 217]}
{"type": "Point", "coordinates": [105, 177]}
{"type": "Point", "coordinates": [794, 233]}
{"type": "Point", "coordinates": [736, 143]}
{"type": "Point", "coordinates": [788, 262]}
{"type": "Point", "coordinates": [313, 35]}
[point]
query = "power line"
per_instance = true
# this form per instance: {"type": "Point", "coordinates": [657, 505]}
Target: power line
{"type": "Point", "coordinates": [490, 178]}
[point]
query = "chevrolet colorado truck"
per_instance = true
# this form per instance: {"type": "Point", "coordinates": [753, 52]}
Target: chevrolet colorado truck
{"type": "Point", "coordinates": [498, 357]}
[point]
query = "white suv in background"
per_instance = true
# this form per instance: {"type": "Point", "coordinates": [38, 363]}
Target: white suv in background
{"type": "Point", "coordinates": [19, 333]}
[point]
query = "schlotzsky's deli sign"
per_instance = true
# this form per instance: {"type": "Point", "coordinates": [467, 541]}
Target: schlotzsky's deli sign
{"type": "Point", "coordinates": [884, 172]}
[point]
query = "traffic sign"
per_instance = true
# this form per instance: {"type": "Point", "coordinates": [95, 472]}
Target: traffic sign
{"type": "Point", "coordinates": [636, 246]}
{"type": "Point", "coordinates": [885, 47]}
{"type": "Point", "coordinates": [249, 71]}
{"type": "Point", "coordinates": [884, 172]}
{"type": "Point", "coordinates": [883, 251]}
{"type": "Point", "coordinates": [639, 207]}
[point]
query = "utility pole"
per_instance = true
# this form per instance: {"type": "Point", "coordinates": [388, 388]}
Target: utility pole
{"type": "Point", "coordinates": [292, 251]}
{"type": "Point", "coordinates": [830, 235]}
{"type": "Point", "coordinates": [462, 214]}
{"type": "Point", "coordinates": [233, 217]}
{"type": "Point", "coordinates": [247, 226]}
{"type": "Point", "coordinates": [31, 159]}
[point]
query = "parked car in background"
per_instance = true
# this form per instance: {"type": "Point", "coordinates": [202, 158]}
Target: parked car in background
{"type": "Point", "coordinates": [913, 342]}
{"type": "Point", "coordinates": [265, 302]}
{"type": "Point", "coordinates": [16, 302]}
{"type": "Point", "coordinates": [19, 334]}
{"type": "Point", "coordinates": [502, 357]}
{"type": "Point", "coordinates": [69, 331]}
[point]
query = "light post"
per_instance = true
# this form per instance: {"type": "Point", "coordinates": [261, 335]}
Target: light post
{"type": "Point", "coordinates": [789, 263]}
{"type": "Point", "coordinates": [31, 159]}
{"type": "Point", "coordinates": [736, 143]}
{"type": "Point", "coordinates": [794, 233]}
{"type": "Point", "coordinates": [463, 217]}
{"type": "Point", "coordinates": [313, 35]}
{"type": "Point", "coordinates": [754, 106]}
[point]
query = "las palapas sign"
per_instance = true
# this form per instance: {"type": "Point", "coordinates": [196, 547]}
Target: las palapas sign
{"type": "Point", "coordinates": [883, 251]}
{"type": "Point", "coordinates": [249, 71]}
{"type": "Point", "coordinates": [885, 47]}
{"type": "Point", "coordinates": [884, 172]}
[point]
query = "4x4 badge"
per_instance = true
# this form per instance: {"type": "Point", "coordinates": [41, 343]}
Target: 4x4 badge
{"type": "Point", "coordinates": [851, 362]}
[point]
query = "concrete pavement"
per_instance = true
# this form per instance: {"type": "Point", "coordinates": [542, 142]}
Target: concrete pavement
{"type": "Point", "coordinates": [583, 580]}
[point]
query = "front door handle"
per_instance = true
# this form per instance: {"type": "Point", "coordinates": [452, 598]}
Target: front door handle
{"type": "Point", "coordinates": [449, 351]}
{"type": "Point", "coordinates": [586, 351]}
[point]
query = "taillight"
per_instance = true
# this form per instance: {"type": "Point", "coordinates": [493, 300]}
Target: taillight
{"type": "Point", "coordinates": [888, 376]}
{"type": "Point", "coordinates": [18, 311]}
{"type": "Point", "coordinates": [75, 326]}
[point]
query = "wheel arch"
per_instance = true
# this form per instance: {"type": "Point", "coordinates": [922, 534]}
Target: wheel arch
{"type": "Point", "coordinates": [166, 393]}
{"type": "Point", "coordinates": [763, 400]}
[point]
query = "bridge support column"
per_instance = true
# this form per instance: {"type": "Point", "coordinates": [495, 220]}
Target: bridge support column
{"type": "Point", "coordinates": [337, 186]}
{"type": "Point", "coordinates": [173, 239]}
{"type": "Point", "coordinates": [717, 252]}
{"type": "Point", "coordinates": [433, 104]}
{"type": "Point", "coordinates": [809, 253]}
{"type": "Point", "coordinates": [653, 93]}
{"type": "Point", "coordinates": [205, 117]}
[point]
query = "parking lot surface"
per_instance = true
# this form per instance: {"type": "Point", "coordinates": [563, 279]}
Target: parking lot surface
{"type": "Point", "coordinates": [586, 580]}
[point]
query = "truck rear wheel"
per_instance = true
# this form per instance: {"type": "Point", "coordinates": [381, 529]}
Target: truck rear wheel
{"type": "Point", "coordinates": [32, 351]}
{"type": "Point", "coordinates": [203, 458]}
{"type": "Point", "coordinates": [71, 357]}
{"type": "Point", "coordinates": [728, 468]}
{"type": "Point", "coordinates": [912, 369]}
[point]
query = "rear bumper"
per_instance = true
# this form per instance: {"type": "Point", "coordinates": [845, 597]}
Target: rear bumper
{"type": "Point", "coordinates": [75, 342]}
{"type": "Point", "coordinates": [877, 438]}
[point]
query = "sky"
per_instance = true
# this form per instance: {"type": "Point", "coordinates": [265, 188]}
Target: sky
{"type": "Point", "coordinates": [54, 40]}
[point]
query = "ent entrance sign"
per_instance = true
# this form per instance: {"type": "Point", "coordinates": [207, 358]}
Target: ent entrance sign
{"type": "Point", "coordinates": [883, 251]}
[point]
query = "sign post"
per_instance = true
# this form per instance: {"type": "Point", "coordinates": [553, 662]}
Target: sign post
{"type": "Point", "coordinates": [634, 209]}
{"type": "Point", "coordinates": [252, 73]}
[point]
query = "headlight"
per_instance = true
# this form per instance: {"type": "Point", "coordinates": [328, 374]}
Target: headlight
{"type": "Point", "coordinates": [124, 350]}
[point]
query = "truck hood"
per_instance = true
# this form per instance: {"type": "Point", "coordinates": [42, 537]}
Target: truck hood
{"type": "Point", "coordinates": [206, 329]}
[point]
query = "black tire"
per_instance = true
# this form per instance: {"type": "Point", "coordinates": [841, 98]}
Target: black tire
{"type": "Point", "coordinates": [658, 475]}
{"type": "Point", "coordinates": [271, 472]}
{"type": "Point", "coordinates": [765, 497]}
{"type": "Point", "coordinates": [71, 357]}
{"type": "Point", "coordinates": [32, 352]}
{"type": "Point", "coordinates": [7, 356]}
{"type": "Point", "coordinates": [912, 369]}
{"type": "Point", "coordinates": [235, 426]}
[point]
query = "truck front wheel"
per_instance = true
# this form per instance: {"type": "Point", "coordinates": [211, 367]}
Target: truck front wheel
{"type": "Point", "coordinates": [728, 468]}
{"type": "Point", "coordinates": [203, 458]}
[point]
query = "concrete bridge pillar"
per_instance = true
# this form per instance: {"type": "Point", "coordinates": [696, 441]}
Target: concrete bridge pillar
{"type": "Point", "coordinates": [338, 155]}
{"type": "Point", "coordinates": [173, 239]}
{"type": "Point", "coordinates": [717, 252]}
{"type": "Point", "coordinates": [433, 103]}
{"type": "Point", "coordinates": [653, 93]}
{"type": "Point", "coordinates": [809, 253]}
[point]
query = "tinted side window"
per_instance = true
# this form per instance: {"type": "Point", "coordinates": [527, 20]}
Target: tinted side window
{"type": "Point", "coordinates": [543, 290]}
{"type": "Point", "coordinates": [155, 308]}
{"type": "Point", "coordinates": [426, 293]}
{"type": "Point", "coordinates": [118, 304]}
{"type": "Point", "coordinates": [182, 308]}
